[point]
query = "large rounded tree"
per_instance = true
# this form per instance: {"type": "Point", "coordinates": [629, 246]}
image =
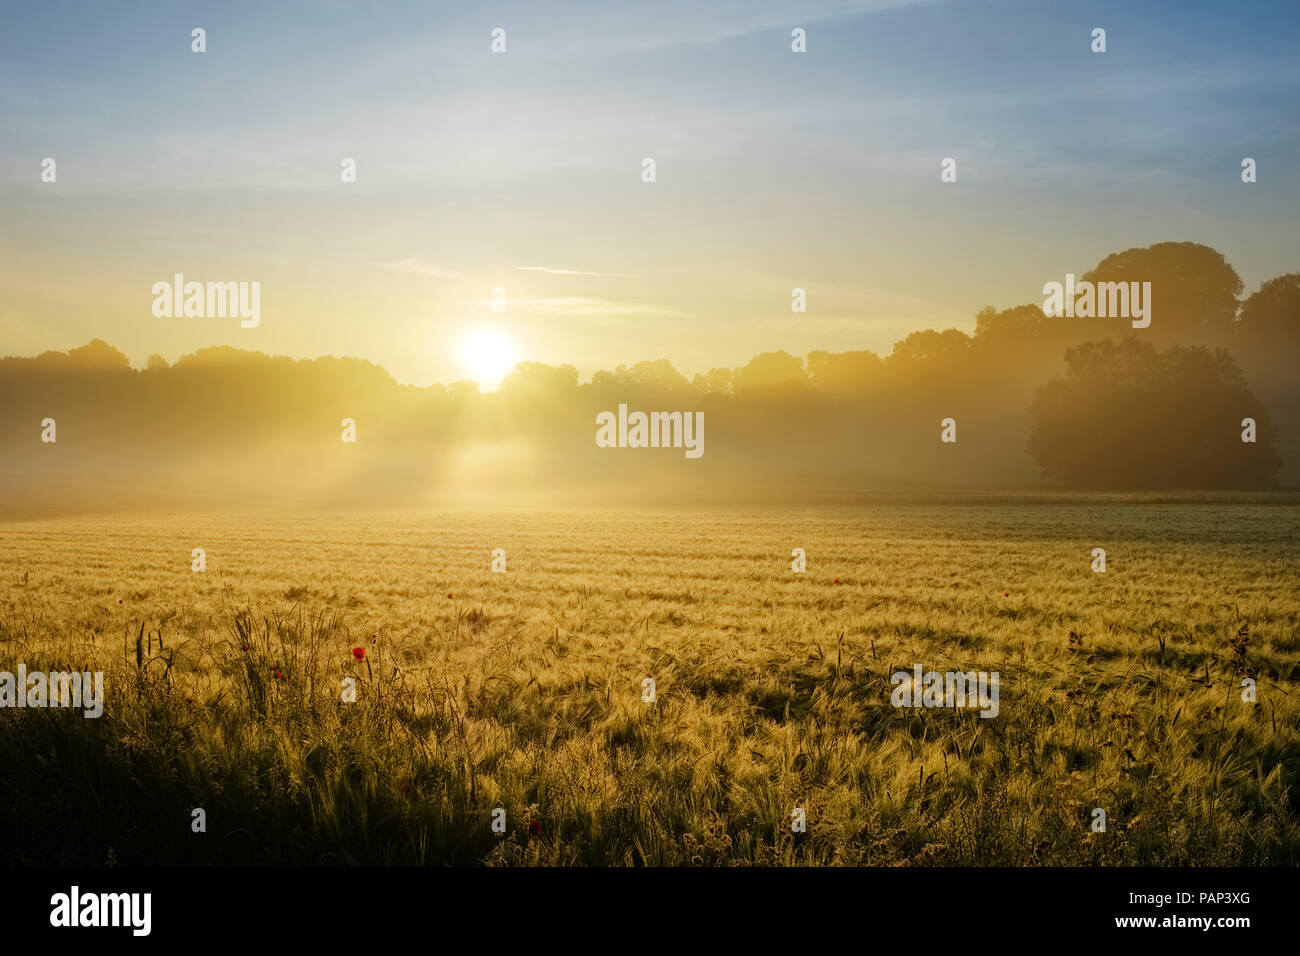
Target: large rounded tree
{"type": "Point", "coordinates": [1126, 416]}
{"type": "Point", "coordinates": [1193, 290]}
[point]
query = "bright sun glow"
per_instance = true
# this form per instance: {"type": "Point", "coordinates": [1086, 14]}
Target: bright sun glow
{"type": "Point", "coordinates": [488, 356]}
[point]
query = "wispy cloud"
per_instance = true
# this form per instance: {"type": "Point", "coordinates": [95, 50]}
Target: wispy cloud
{"type": "Point", "coordinates": [578, 272]}
{"type": "Point", "coordinates": [580, 305]}
{"type": "Point", "coordinates": [679, 22]}
{"type": "Point", "coordinates": [420, 267]}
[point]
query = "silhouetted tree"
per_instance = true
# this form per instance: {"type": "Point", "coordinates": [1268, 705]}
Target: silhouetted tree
{"type": "Point", "coordinates": [719, 381]}
{"type": "Point", "coordinates": [1268, 328]}
{"type": "Point", "coordinates": [845, 371]}
{"type": "Point", "coordinates": [1126, 415]}
{"type": "Point", "coordinates": [1193, 291]}
{"type": "Point", "coordinates": [770, 370]}
{"type": "Point", "coordinates": [1268, 346]}
{"type": "Point", "coordinates": [929, 345]}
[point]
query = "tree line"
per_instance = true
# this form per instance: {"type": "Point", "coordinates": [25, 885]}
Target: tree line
{"type": "Point", "coordinates": [1038, 401]}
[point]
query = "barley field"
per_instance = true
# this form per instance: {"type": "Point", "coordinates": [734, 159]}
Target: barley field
{"type": "Point", "coordinates": [523, 690]}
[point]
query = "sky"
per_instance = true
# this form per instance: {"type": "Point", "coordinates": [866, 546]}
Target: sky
{"type": "Point", "coordinates": [522, 170]}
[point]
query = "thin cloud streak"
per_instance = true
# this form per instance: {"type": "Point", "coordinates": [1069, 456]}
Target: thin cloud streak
{"type": "Point", "coordinates": [580, 305]}
{"type": "Point", "coordinates": [418, 266]}
{"type": "Point", "coordinates": [578, 272]}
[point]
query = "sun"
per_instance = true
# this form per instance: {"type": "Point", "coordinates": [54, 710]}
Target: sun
{"type": "Point", "coordinates": [488, 356]}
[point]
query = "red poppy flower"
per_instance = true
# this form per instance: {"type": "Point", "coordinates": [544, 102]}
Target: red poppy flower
{"type": "Point", "coordinates": [448, 596]}
{"type": "Point", "coordinates": [534, 826]}
{"type": "Point", "coordinates": [245, 647]}
{"type": "Point", "coordinates": [837, 580]}
{"type": "Point", "coordinates": [358, 652]}
{"type": "Point", "coordinates": [279, 676]}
